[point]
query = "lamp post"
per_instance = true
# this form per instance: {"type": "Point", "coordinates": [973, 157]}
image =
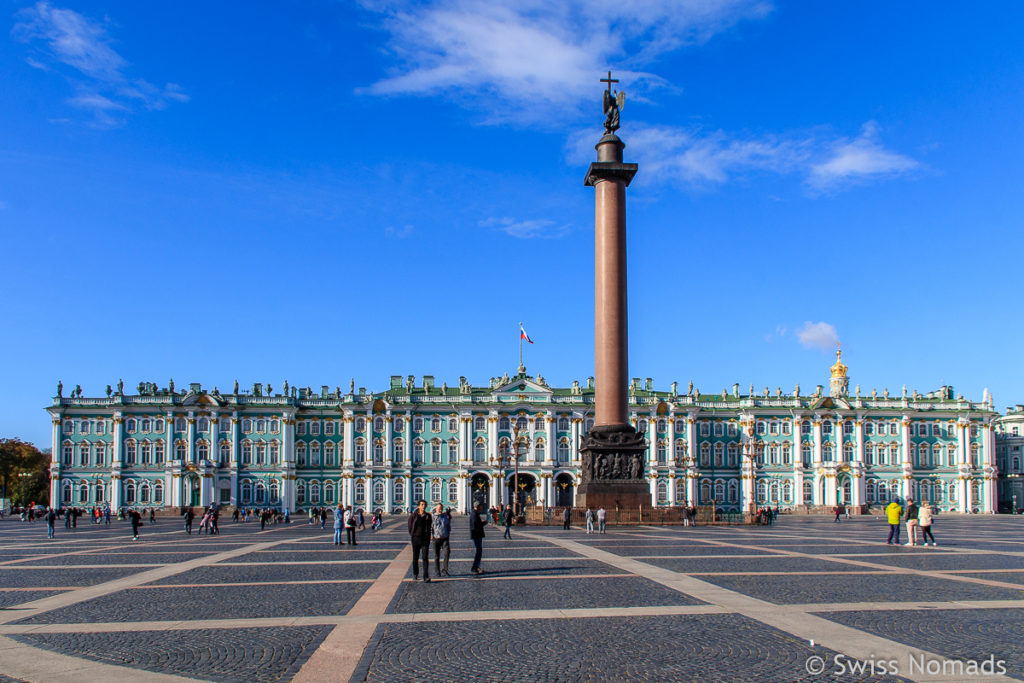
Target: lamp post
{"type": "Point", "coordinates": [23, 479]}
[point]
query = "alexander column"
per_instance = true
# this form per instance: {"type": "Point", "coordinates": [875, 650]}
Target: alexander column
{"type": "Point", "coordinates": [612, 453]}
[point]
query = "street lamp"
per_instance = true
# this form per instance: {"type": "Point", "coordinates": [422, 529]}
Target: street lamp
{"type": "Point", "coordinates": [23, 478]}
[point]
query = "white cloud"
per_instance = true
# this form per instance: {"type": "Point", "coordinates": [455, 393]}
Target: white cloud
{"type": "Point", "coordinates": [526, 229]}
{"type": "Point", "coordinates": [859, 159]}
{"type": "Point", "coordinates": [398, 233]}
{"type": "Point", "coordinates": [65, 37]}
{"type": "Point", "coordinates": [819, 335]}
{"type": "Point", "coordinates": [694, 157]}
{"type": "Point", "coordinates": [531, 59]}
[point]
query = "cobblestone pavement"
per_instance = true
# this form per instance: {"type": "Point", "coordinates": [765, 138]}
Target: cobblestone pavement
{"type": "Point", "coordinates": [635, 604]}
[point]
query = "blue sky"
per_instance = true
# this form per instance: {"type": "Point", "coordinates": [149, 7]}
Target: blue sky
{"type": "Point", "coordinates": [319, 191]}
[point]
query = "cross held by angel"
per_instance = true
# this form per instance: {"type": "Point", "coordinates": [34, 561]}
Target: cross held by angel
{"type": "Point", "coordinates": [612, 104]}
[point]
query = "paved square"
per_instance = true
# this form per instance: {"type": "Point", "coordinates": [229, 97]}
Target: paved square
{"type": "Point", "coordinates": [635, 604]}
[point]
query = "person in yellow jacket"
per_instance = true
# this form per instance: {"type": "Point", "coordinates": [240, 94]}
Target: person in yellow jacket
{"type": "Point", "coordinates": [893, 512]}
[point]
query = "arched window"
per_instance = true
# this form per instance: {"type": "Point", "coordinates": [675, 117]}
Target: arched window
{"type": "Point", "coordinates": [129, 493]}
{"type": "Point", "coordinates": [869, 453]}
{"type": "Point", "coordinates": [680, 451]}
{"type": "Point", "coordinates": [275, 452]}
{"type": "Point", "coordinates": [83, 492]}
{"type": "Point", "coordinates": [360, 493]}
{"type": "Point", "coordinates": [808, 493]}
{"type": "Point", "coordinates": [563, 424]}
{"type": "Point", "coordinates": [563, 451]}
{"type": "Point", "coordinates": [83, 454]}
{"type": "Point", "coordinates": [360, 424]}
{"type": "Point", "coordinates": [378, 453]}
{"type": "Point", "coordinates": [314, 492]}
{"type": "Point", "coordinates": [300, 454]}
{"type": "Point", "coordinates": [180, 452]}
{"type": "Point", "coordinates": [894, 454]}
{"type": "Point", "coordinates": [144, 493]}
{"type": "Point", "coordinates": [453, 452]}
{"type": "Point", "coordinates": [203, 425]}
{"type": "Point", "coordinates": [786, 454]}
{"type": "Point", "coordinates": [417, 491]}
{"type": "Point", "coordinates": [870, 491]}
{"type": "Point", "coordinates": [329, 491]}
{"type": "Point", "coordinates": [101, 453]}
{"type": "Point", "coordinates": [378, 492]}
{"type": "Point", "coordinates": [479, 424]}
{"type": "Point", "coordinates": [773, 453]}
{"type": "Point", "coordinates": [247, 452]}
{"type": "Point", "coordinates": [360, 454]}
{"type": "Point", "coordinates": [399, 448]}
{"type": "Point", "coordinates": [399, 424]}
{"type": "Point", "coordinates": [435, 452]}
{"type": "Point", "coordinates": [247, 491]}
{"type": "Point", "coordinates": [805, 454]}
{"type": "Point", "coordinates": [719, 455]}
{"type": "Point", "coordinates": [521, 424]}
{"type": "Point", "coordinates": [826, 452]}
{"type": "Point", "coordinates": [179, 424]}
{"type": "Point", "coordinates": [300, 492]}
{"type": "Point", "coordinates": [275, 492]}
{"type": "Point", "coordinates": [733, 454]}
{"type": "Point", "coordinates": [66, 491]}
{"type": "Point", "coordinates": [145, 452]}
{"type": "Point", "coordinates": [417, 453]}
{"type": "Point", "coordinates": [435, 424]}
{"type": "Point", "coordinates": [158, 425]}
{"type": "Point", "coordinates": [662, 452]}
{"type": "Point", "coordinates": [158, 452]}
{"type": "Point", "coordinates": [435, 491]}
{"type": "Point", "coordinates": [329, 452]}
{"type": "Point", "coordinates": [378, 424]}
{"type": "Point", "coordinates": [787, 492]}
{"type": "Point", "coordinates": [417, 424]}
{"type": "Point", "coordinates": [261, 493]}
{"type": "Point", "coordinates": [261, 427]}
{"type": "Point", "coordinates": [720, 491]}
{"type": "Point", "coordinates": [762, 492]}
{"type": "Point", "coordinates": [261, 452]}
{"type": "Point", "coordinates": [399, 491]}
{"type": "Point", "coordinates": [504, 424]}
{"type": "Point", "coordinates": [225, 452]}
{"type": "Point", "coordinates": [202, 451]}
{"type": "Point", "coordinates": [130, 425]}
{"type": "Point", "coordinates": [129, 452]}
{"type": "Point", "coordinates": [68, 454]}
{"type": "Point", "coordinates": [538, 451]}
{"type": "Point", "coordinates": [705, 454]}
{"type": "Point", "coordinates": [705, 492]}
{"type": "Point", "coordinates": [848, 452]}
{"type": "Point", "coordinates": [314, 454]}
{"type": "Point", "coordinates": [453, 491]}
{"type": "Point", "coordinates": [158, 493]}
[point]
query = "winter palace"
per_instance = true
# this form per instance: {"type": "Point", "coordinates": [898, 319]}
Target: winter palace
{"type": "Point", "coordinates": [299, 447]}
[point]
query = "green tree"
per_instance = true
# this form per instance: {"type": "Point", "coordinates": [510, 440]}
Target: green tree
{"type": "Point", "coordinates": [19, 457]}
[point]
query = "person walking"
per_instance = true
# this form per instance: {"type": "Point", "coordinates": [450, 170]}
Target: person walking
{"type": "Point", "coordinates": [339, 520]}
{"type": "Point", "coordinates": [350, 525]}
{"type": "Point", "coordinates": [152, 515]}
{"type": "Point", "coordinates": [51, 519]}
{"type": "Point", "coordinates": [420, 525]}
{"type": "Point", "coordinates": [323, 517]}
{"type": "Point", "coordinates": [924, 520]}
{"type": "Point", "coordinates": [67, 518]}
{"type": "Point", "coordinates": [476, 532]}
{"type": "Point", "coordinates": [440, 531]}
{"type": "Point", "coordinates": [893, 512]}
{"type": "Point", "coordinates": [508, 520]}
{"type": "Point", "coordinates": [911, 518]}
{"type": "Point", "coordinates": [189, 516]}
{"type": "Point", "coordinates": [565, 518]}
{"type": "Point", "coordinates": [838, 509]}
{"type": "Point", "coordinates": [360, 519]}
{"type": "Point", "coordinates": [136, 519]}
{"type": "Point", "coordinates": [590, 521]}
{"type": "Point", "coordinates": [602, 518]}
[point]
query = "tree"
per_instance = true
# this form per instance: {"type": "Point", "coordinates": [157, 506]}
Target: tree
{"type": "Point", "coordinates": [18, 457]}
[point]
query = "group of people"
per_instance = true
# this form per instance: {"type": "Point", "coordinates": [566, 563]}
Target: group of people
{"type": "Point", "coordinates": [434, 529]}
{"type": "Point", "coordinates": [916, 517]}
{"type": "Point", "coordinates": [207, 523]}
{"type": "Point", "coordinates": [765, 516]}
{"type": "Point", "coordinates": [600, 516]}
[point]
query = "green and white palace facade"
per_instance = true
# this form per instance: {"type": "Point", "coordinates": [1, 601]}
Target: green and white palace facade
{"type": "Point", "coordinates": [300, 447]}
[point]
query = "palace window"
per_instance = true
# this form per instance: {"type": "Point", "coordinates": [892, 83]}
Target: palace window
{"type": "Point", "coordinates": [680, 450]}
{"type": "Point", "coordinates": [225, 452]}
{"type": "Point", "coordinates": [848, 452]}
{"type": "Point", "coordinates": [275, 452]}
{"type": "Point", "coordinates": [328, 427]}
{"type": "Point", "coordinates": [100, 497]}
{"type": "Point", "coordinates": [314, 454]}
{"type": "Point", "coordinates": [179, 424]}
{"type": "Point", "coordinates": [145, 453]}
{"type": "Point", "coordinates": [705, 492]}
{"type": "Point", "coordinates": [641, 426]}
{"type": "Point", "coordinates": [399, 491]}
{"type": "Point", "coordinates": [417, 453]}
{"type": "Point", "coordinates": [314, 492]}
{"type": "Point", "coordinates": [719, 429]}
{"type": "Point", "coordinates": [202, 451]}
{"type": "Point", "coordinates": [453, 452]}
{"type": "Point", "coordinates": [378, 453]}
{"type": "Point", "coordinates": [808, 493]}
{"type": "Point", "coordinates": [479, 424]}
{"type": "Point", "coordinates": [720, 491]}
{"type": "Point", "coordinates": [360, 424]}
{"type": "Point", "coordinates": [247, 452]}
{"type": "Point", "coordinates": [300, 428]}
{"type": "Point", "coordinates": [705, 454]}
{"type": "Point", "coordinates": [129, 452]}
{"type": "Point", "coordinates": [203, 425]}
{"type": "Point", "coordinates": [847, 427]}
{"type": "Point", "coordinates": [661, 426]}
{"type": "Point", "coordinates": [504, 424]}
{"type": "Point", "coordinates": [69, 427]}
{"type": "Point", "coordinates": [261, 493]}
{"type": "Point", "coordinates": [719, 452]}
{"type": "Point", "coordinates": [329, 452]}
{"type": "Point", "coordinates": [360, 454]}
{"type": "Point", "coordinates": [785, 427]}
{"type": "Point", "coordinates": [733, 450]}
{"type": "Point", "coordinates": [417, 491]}
{"type": "Point", "coordinates": [435, 452]}
{"type": "Point", "coordinates": [275, 426]}
{"type": "Point", "coordinates": [662, 492]}
{"type": "Point", "coordinates": [129, 425]}
{"type": "Point", "coordinates": [453, 425]}
{"type": "Point", "coordinates": [773, 427]}
{"type": "Point", "coordinates": [144, 493]}
{"type": "Point", "coordinates": [129, 493]}
{"type": "Point", "coordinates": [759, 427]}
{"type": "Point", "coordinates": [826, 452]}
{"type": "Point", "coordinates": [762, 492]}
{"type": "Point", "coordinates": [417, 424]}
{"type": "Point", "coordinates": [378, 424]}
{"type": "Point", "coordinates": [680, 426]}
{"type": "Point", "coordinates": [101, 426]}
{"type": "Point", "coordinates": [785, 454]}
{"type": "Point", "coordinates": [563, 451]}
{"type": "Point", "coordinates": [826, 427]}
{"type": "Point", "coordinates": [261, 425]}
{"type": "Point", "coordinates": [805, 454]}
{"type": "Point", "coordinates": [83, 454]}
{"type": "Point", "coordinates": [261, 452]}
{"type": "Point", "coordinates": [453, 491]}
{"type": "Point", "coordinates": [224, 424]}
{"type": "Point", "coordinates": [805, 427]}
{"type": "Point", "coordinates": [145, 424]}
{"type": "Point", "coordinates": [275, 493]}
{"type": "Point", "coordinates": [435, 424]}
{"type": "Point", "coordinates": [300, 454]}
{"type": "Point", "coordinates": [894, 454]}
{"type": "Point", "coordinates": [314, 428]}
{"type": "Point", "coordinates": [588, 424]}
{"type": "Point", "coordinates": [300, 492]}
{"type": "Point", "coordinates": [662, 452]}
{"type": "Point", "coordinates": [435, 491]}
{"type": "Point", "coordinates": [869, 428]}
{"type": "Point", "coordinates": [705, 428]}
{"type": "Point", "coordinates": [378, 492]}
{"type": "Point", "coordinates": [399, 424]}
{"type": "Point", "coordinates": [399, 451]}
{"type": "Point", "coordinates": [101, 454]}
{"type": "Point", "coordinates": [329, 491]}
{"type": "Point", "coordinates": [773, 454]}
{"type": "Point", "coordinates": [158, 453]}
{"type": "Point", "coordinates": [68, 454]}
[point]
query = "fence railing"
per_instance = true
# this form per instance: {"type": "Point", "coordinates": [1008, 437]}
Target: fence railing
{"type": "Point", "coordinates": [660, 516]}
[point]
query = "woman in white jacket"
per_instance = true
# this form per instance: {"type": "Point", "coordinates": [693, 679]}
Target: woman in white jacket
{"type": "Point", "coordinates": [924, 521]}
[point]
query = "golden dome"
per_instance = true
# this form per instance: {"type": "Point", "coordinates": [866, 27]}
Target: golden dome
{"type": "Point", "coordinates": [839, 370]}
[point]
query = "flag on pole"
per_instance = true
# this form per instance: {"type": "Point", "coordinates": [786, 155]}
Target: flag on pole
{"type": "Point", "coordinates": [523, 335]}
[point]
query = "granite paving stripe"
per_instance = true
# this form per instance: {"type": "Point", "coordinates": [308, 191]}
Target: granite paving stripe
{"type": "Point", "coordinates": [265, 655]}
{"type": "Point", "coordinates": [467, 594]}
{"type": "Point", "coordinates": [10, 599]}
{"type": "Point", "coordinates": [925, 558]}
{"type": "Point", "coordinates": [28, 663]}
{"type": "Point", "coordinates": [343, 553]}
{"type": "Point", "coordinates": [964, 635]}
{"type": "Point", "coordinates": [689, 565]}
{"type": "Point", "coordinates": [590, 650]}
{"type": "Point", "coordinates": [177, 603]}
{"type": "Point", "coordinates": [1007, 577]}
{"type": "Point", "coordinates": [113, 558]}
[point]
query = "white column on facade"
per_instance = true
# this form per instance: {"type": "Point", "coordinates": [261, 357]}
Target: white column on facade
{"type": "Point", "coordinates": [213, 451]}
{"type": "Point", "coordinates": [691, 455]}
{"type": "Point", "coordinates": [671, 453]}
{"type": "Point", "coordinates": [963, 470]}
{"type": "Point", "coordinates": [465, 438]}
{"type": "Point", "coordinates": [388, 446]}
{"type": "Point", "coordinates": [575, 422]}
{"type": "Point", "coordinates": [962, 453]}
{"type": "Point", "coordinates": [348, 440]}
{"type": "Point", "coordinates": [492, 437]}
{"type": "Point", "coordinates": [117, 458]}
{"type": "Point", "coordinates": [652, 439]}
{"type": "Point", "coordinates": [653, 485]}
{"type": "Point", "coordinates": [798, 464]}
{"type": "Point", "coordinates": [389, 500]}
{"type": "Point", "coordinates": [495, 490]}
{"type": "Point", "coordinates": [169, 436]}
{"type": "Point", "coordinates": [551, 449]}
{"type": "Point", "coordinates": [672, 488]}
{"type": "Point", "coordinates": [988, 492]}
{"type": "Point", "coordinates": [55, 455]}
{"type": "Point", "coordinates": [190, 444]}
{"type": "Point", "coordinates": [858, 483]}
{"type": "Point", "coordinates": [407, 462]}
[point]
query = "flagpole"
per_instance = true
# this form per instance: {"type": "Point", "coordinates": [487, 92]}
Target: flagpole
{"type": "Point", "coordinates": [520, 344]}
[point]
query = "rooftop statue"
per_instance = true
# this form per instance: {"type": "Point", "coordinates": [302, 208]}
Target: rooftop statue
{"type": "Point", "coordinates": [612, 104]}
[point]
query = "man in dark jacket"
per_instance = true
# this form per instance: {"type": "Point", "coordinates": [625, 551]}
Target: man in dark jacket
{"type": "Point", "coordinates": [476, 532]}
{"type": "Point", "coordinates": [420, 523]}
{"type": "Point", "coordinates": [509, 520]}
{"type": "Point", "coordinates": [189, 516]}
